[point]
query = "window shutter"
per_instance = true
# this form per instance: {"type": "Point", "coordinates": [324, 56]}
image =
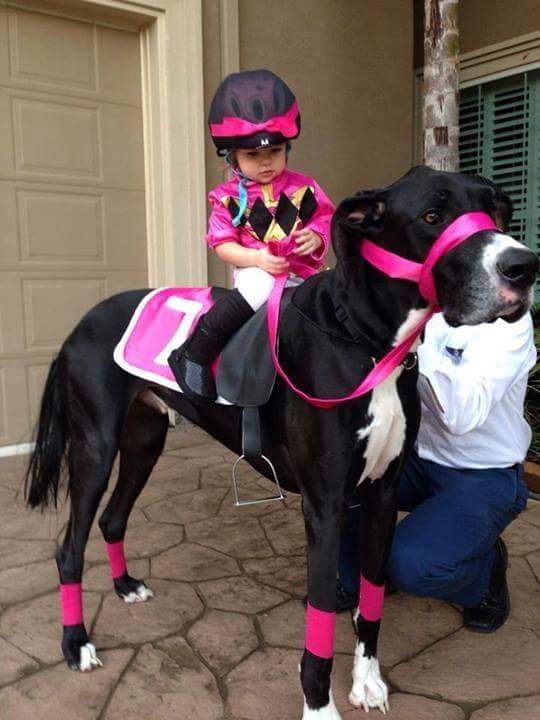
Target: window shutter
{"type": "Point", "coordinates": [471, 131]}
{"type": "Point", "coordinates": [500, 139]}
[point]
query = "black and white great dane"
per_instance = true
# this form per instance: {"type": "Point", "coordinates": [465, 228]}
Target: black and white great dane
{"type": "Point", "coordinates": [338, 324]}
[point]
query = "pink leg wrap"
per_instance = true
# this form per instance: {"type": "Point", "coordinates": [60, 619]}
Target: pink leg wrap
{"type": "Point", "coordinates": [71, 600]}
{"type": "Point", "coordinates": [371, 600]}
{"type": "Point", "coordinates": [117, 561]}
{"type": "Point", "coordinates": [320, 627]}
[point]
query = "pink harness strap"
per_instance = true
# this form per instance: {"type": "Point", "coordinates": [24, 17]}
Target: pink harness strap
{"type": "Point", "coordinates": [457, 232]}
{"type": "Point", "coordinates": [320, 629]}
{"type": "Point", "coordinates": [371, 600]}
{"type": "Point", "coordinates": [117, 560]}
{"type": "Point", "coordinates": [397, 267]}
{"type": "Point", "coordinates": [71, 602]}
{"type": "Point", "coordinates": [376, 376]}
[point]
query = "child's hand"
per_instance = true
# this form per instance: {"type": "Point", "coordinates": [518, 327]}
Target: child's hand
{"type": "Point", "coordinates": [271, 263]}
{"type": "Point", "coordinates": [307, 241]}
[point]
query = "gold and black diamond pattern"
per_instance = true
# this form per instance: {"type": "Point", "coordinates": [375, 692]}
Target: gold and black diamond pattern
{"type": "Point", "coordinates": [288, 214]}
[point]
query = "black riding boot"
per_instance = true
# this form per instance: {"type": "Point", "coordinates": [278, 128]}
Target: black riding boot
{"type": "Point", "coordinates": [191, 362]}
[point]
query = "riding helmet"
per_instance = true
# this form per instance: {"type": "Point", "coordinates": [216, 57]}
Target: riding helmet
{"type": "Point", "coordinates": [253, 109]}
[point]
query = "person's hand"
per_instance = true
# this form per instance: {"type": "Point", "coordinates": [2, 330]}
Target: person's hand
{"type": "Point", "coordinates": [271, 263]}
{"type": "Point", "coordinates": [307, 241]}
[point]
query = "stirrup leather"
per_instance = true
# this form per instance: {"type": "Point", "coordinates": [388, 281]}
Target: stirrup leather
{"type": "Point", "coordinates": [252, 448]}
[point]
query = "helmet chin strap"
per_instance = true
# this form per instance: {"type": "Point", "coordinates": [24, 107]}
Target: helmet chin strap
{"type": "Point", "coordinates": [242, 201]}
{"type": "Point", "coordinates": [242, 191]}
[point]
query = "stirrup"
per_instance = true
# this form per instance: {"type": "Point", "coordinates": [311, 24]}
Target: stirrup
{"type": "Point", "coordinates": [241, 503]}
{"type": "Point", "coordinates": [252, 448]}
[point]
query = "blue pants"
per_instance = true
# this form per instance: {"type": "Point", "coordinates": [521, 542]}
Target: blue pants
{"type": "Point", "coordinates": [444, 547]}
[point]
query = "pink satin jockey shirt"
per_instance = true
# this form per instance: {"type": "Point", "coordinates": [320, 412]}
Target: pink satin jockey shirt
{"type": "Point", "coordinates": [292, 201]}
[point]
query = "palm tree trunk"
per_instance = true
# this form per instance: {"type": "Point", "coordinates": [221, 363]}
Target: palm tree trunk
{"type": "Point", "coordinates": [441, 84]}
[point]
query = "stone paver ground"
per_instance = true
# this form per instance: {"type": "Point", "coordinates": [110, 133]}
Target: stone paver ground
{"type": "Point", "coordinates": [222, 638]}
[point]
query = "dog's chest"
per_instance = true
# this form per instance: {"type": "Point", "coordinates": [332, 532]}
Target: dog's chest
{"type": "Point", "coordinates": [385, 430]}
{"type": "Point", "coordinates": [386, 424]}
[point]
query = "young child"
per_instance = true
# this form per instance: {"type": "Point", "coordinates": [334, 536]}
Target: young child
{"type": "Point", "coordinates": [253, 117]}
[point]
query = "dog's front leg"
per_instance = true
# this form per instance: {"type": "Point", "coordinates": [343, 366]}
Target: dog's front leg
{"type": "Point", "coordinates": [322, 530]}
{"type": "Point", "coordinates": [379, 510]}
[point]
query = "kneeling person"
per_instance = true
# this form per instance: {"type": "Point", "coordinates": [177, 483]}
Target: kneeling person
{"type": "Point", "coordinates": [463, 485]}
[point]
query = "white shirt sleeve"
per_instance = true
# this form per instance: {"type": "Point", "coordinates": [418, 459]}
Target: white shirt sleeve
{"type": "Point", "coordinates": [462, 378]}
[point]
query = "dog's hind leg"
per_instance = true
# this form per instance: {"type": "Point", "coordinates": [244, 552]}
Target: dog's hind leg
{"type": "Point", "coordinates": [322, 531]}
{"type": "Point", "coordinates": [141, 444]}
{"type": "Point", "coordinates": [379, 503]}
{"type": "Point", "coordinates": [90, 460]}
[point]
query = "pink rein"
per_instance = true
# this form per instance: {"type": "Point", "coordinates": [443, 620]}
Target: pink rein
{"type": "Point", "coordinates": [396, 267]}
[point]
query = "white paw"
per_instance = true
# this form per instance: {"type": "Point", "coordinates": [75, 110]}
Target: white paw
{"type": "Point", "coordinates": [369, 689]}
{"type": "Point", "coordinates": [329, 712]}
{"type": "Point", "coordinates": [142, 594]}
{"type": "Point", "coordinates": [88, 658]}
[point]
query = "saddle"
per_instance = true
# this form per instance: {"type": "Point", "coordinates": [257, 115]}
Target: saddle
{"type": "Point", "coordinates": [245, 378]}
{"type": "Point", "coordinates": [244, 371]}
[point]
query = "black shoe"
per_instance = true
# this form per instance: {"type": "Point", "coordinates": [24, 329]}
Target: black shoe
{"type": "Point", "coordinates": [345, 600]}
{"type": "Point", "coordinates": [192, 362]}
{"type": "Point", "coordinates": [194, 378]}
{"type": "Point", "coordinates": [493, 610]}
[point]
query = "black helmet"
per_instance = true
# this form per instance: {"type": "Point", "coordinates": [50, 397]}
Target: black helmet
{"type": "Point", "coordinates": [253, 109]}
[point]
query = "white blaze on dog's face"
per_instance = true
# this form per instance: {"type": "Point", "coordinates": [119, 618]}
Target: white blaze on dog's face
{"type": "Point", "coordinates": [490, 275]}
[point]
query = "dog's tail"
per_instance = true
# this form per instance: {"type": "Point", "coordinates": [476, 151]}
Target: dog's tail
{"type": "Point", "coordinates": [43, 476]}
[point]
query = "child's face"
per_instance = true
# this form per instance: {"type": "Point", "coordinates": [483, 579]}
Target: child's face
{"type": "Point", "coordinates": [262, 165]}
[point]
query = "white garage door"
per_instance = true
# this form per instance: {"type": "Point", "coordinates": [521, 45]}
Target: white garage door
{"type": "Point", "coordinates": [72, 222]}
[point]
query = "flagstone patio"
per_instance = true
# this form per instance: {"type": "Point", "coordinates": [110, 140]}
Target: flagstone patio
{"type": "Point", "coordinates": [222, 638]}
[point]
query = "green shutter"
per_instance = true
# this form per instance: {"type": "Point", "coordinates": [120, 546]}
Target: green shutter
{"type": "Point", "coordinates": [471, 131]}
{"type": "Point", "coordinates": [500, 139]}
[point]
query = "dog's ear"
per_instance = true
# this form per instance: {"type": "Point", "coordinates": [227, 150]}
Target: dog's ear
{"type": "Point", "coordinates": [502, 203]}
{"type": "Point", "coordinates": [361, 215]}
{"type": "Point", "coordinates": [503, 209]}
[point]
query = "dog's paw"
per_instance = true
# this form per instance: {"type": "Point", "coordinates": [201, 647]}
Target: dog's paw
{"type": "Point", "coordinates": [88, 658]}
{"type": "Point", "coordinates": [369, 689]}
{"type": "Point", "coordinates": [131, 590]}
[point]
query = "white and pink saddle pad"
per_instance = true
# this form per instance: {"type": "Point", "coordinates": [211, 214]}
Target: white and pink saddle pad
{"type": "Point", "coordinates": [162, 321]}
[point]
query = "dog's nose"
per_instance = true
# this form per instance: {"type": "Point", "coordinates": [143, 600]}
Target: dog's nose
{"type": "Point", "coordinates": [518, 266]}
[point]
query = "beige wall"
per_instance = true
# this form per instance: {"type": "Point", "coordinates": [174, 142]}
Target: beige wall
{"type": "Point", "coordinates": [484, 22]}
{"type": "Point", "coordinates": [349, 63]}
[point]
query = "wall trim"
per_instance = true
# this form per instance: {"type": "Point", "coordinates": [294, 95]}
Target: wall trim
{"type": "Point", "coordinates": [229, 35]}
{"type": "Point", "coordinates": [21, 449]}
{"type": "Point", "coordinates": [494, 61]}
{"type": "Point", "coordinates": [229, 40]}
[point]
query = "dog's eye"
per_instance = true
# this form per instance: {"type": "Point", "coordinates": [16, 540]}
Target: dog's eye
{"type": "Point", "coordinates": [432, 217]}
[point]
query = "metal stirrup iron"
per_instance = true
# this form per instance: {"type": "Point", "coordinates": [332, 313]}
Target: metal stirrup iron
{"type": "Point", "coordinates": [252, 447]}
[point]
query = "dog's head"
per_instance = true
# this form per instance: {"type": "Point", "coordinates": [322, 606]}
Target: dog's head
{"type": "Point", "coordinates": [490, 275]}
